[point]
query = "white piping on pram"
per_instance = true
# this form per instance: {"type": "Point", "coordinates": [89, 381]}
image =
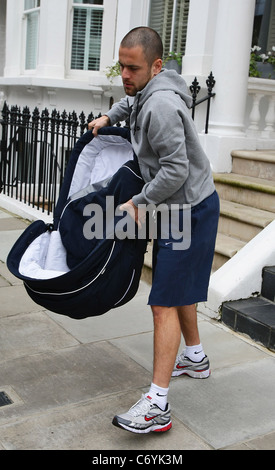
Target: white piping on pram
{"type": "Point", "coordinates": [80, 288]}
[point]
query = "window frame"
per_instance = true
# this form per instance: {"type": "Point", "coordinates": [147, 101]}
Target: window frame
{"type": "Point", "coordinates": [264, 26]}
{"type": "Point", "coordinates": [28, 13]}
{"type": "Point", "coordinates": [91, 7]}
{"type": "Point", "coordinates": [38, 5]}
{"type": "Point", "coordinates": [170, 23]}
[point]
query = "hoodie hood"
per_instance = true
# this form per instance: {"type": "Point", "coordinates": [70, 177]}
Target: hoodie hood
{"type": "Point", "coordinates": [164, 81]}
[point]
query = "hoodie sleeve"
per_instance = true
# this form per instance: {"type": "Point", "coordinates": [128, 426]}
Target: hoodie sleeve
{"type": "Point", "coordinates": [166, 136]}
{"type": "Point", "coordinates": [119, 111]}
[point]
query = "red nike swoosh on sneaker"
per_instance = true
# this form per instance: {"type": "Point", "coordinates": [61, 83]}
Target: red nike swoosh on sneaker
{"type": "Point", "coordinates": [150, 419]}
{"type": "Point", "coordinates": [181, 367]}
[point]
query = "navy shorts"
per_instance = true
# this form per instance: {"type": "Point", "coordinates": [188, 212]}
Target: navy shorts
{"type": "Point", "coordinates": [181, 276]}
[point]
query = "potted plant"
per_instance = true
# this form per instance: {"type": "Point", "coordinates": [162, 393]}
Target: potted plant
{"type": "Point", "coordinates": [173, 61]}
{"type": "Point", "coordinates": [254, 59]}
{"type": "Point", "coordinates": [113, 71]}
{"type": "Point", "coordinates": [271, 60]}
{"type": "Point", "coordinates": [262, 65]}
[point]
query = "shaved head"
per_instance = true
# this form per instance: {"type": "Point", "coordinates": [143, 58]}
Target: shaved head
{"type": "Point", "coordinates": [146, 38]}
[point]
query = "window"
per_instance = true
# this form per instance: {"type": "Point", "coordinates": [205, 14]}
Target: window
{"type": "Point", "coordinates": [264, 25]}
{"type": "Point", "coordinates": [87, 32]}
{"type": "Point", "coordinates": [170, 18]}
{"type": "Point", "coordinates": [32, 9]}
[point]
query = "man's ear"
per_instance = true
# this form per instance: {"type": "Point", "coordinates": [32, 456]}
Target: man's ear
{"type": "Point", "coordinates": [157, 66]}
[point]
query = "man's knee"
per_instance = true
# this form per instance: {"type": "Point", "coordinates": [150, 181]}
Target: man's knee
{"type": "Point", "coordinates": [160, 312]}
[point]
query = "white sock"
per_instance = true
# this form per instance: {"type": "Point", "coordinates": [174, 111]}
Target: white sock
{"type": "Point", "coordinates": [158, 395]}
{"type": "Point", "coordinates": [195, 353]}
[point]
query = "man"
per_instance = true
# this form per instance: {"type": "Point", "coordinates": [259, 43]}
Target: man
{"type": "Point", "coordinates": [176, 171]}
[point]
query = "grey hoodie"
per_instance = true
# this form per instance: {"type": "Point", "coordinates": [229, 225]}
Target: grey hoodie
{"type": "Point", "coordinates": [172, 162]}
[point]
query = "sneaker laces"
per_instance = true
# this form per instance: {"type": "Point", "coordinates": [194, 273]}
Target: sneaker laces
{"type": "Point", "coordinates": [180, 357]}
{"type": "Point", "coordinates": [141, 407]}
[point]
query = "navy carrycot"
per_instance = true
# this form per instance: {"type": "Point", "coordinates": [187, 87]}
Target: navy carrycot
{"type": "Point", "coordinates": [65, 266]}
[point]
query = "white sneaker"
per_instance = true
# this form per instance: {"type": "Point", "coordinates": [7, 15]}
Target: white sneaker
{"type": "Point", "coordinates": [144, 417]}
{"type": "Point", "coordinates": [196, 370]}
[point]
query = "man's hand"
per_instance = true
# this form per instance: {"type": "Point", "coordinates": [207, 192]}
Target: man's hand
{"type": "Point", "coordinates": [96, 124]}
{"type": "Point", "coordinates": [138, 215]}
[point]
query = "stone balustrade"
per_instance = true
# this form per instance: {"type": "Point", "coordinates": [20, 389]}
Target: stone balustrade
{"type": "Point", "coordinates": [261, 108]}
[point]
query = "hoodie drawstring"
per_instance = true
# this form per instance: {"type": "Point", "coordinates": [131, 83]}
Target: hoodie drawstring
{"type": "Point", "coordinates": [136, 128]}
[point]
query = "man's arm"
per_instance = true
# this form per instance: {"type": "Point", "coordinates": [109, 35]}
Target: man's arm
{"type": "Point", "coordinates": [96, 124]}
{"type": "Point", "coordinates": [119, 112]}
{"type": "Point", "coordinates": [166, 135]}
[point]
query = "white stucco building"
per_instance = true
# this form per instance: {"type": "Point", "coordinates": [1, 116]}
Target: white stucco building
{"type": "Point", "coordinates": [55, 55]}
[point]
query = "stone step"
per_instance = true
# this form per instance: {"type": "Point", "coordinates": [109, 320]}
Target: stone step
{"type": "Point", "coordinates": [258, 164]}
{"type": "Point", "coordinates": [246, 190]}
{"type": "Point", "coordinates": [226, 247]}
{"type": "Point", "coordinates": [254, 317]}
{"type": "Point", "coordinates": [247, 207]}
{"type": "Point", "coordinates": [242, 222]}
{"type": "Point", "coordinates": [268, 287]}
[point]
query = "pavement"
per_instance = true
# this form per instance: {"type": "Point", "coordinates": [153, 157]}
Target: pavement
{"type": "Point", "coordinates": [68, 378]}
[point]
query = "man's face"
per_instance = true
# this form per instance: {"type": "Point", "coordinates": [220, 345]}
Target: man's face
{"type": "Point", "coordinates": [135, 70]}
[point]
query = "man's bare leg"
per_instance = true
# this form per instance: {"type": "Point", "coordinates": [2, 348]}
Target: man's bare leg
{"type": "Point", "coordinates": [189, 324]}
{"type": "Point", "coordinates": [193, 360]}
{"type": "Point", "coordinates": [167, 335]}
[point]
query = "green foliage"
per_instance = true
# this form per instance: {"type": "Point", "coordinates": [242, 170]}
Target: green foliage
{"type": "Point", "coordinates": [173, 56]}
{"type": "Point", "coordinates": [255, 57]}
{"type": "Point", "coordinates": [113, 71]}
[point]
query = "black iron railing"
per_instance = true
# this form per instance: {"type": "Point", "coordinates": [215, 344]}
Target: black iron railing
{"type": "Point", "coordinates": [195, 89]}
{"type": "Point", "coordinates": [35, 148]}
